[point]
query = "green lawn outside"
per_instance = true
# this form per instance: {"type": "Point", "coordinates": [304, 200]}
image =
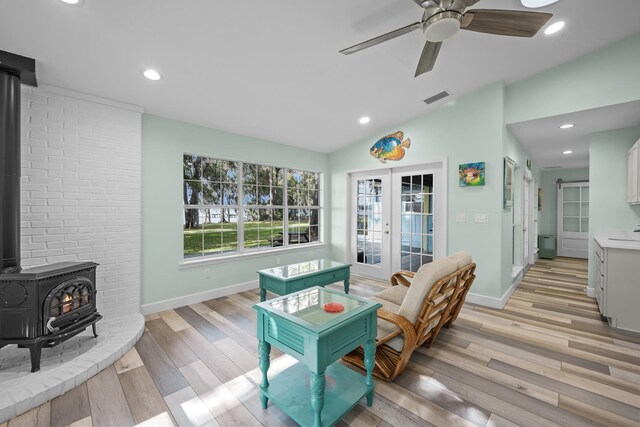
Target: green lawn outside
{"type": "Point", "coordinates": [224, 236]}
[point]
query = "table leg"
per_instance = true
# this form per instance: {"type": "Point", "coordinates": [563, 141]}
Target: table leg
{"type": "Point", "coordinates": [263, 294]}
{"type": "Point", "coordinates": [369, 363]}
{"type": "Point", "coordinates": [346, 285]}
{"type": "Point", "coordinates": [264, 348]}
{"type": "Point", "coordinates": [317, 397]}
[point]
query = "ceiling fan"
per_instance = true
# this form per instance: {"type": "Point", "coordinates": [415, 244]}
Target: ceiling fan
{"type": "Point", "coordinates": [443, 18]}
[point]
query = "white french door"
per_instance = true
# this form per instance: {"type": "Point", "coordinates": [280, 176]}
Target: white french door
{"type": "Point", "coordinates": [370, 218]}
{"type": "Point", "coordinates": [573, 219]}
{"type": "Point", "coordinates": [397, 220]}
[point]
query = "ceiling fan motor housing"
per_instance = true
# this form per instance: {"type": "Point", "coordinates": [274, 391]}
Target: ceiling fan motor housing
{"type": "Point", "coordinates": [442, 26]}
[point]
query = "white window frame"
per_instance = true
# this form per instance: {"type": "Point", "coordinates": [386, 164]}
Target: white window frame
{"type": "Point", "coordinates": [240, 208]}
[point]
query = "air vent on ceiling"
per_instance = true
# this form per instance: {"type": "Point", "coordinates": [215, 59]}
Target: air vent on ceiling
{"type": "Point", "coordinates": [552, 167]}
{"type": "Point", "coordinates": [437, 97]}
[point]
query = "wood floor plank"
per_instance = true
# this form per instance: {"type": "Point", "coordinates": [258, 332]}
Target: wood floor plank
{"type": "Point", "coordinates": [36, 417]}
{"type": "Point", "coordinates": [220, 365]}
{"type": "Point", "coordinates": [143, 397]}
{"type": "Point", "coordinates": [130, 360]}
{"type": "Point", "coordinates": [498, 421]}
{"type": "Point", "coordinates": [167, 377]}
{"type": "Point", "coordinates": [235, 352]}
{"type": "Point", "coordinates": [107, 401]}
{"type": "Point", "coordinates": [85, 422]}
{"type": "Point", "coordinates": [205, 328]}
{"type": "Point", "coordinates": [596, 414]}
{"type": "Point", "coordinates": [217, 397]}
{"type": "Point", "coordinates": [586, 396]}
{"type": "Point", "coordinates": [171, 343]}
{"type": "Point", "coordinates": [174, 320]}
{"type": "Point", "coordinates": [551, 412]}
{"type": "Point", "coordinates": [70, 407]}
{"type": "Point", "coordinates": [188, 409]}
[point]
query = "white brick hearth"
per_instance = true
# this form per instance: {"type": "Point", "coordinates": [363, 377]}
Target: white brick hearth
{"type": "Point", "coordinates": [80, 201]}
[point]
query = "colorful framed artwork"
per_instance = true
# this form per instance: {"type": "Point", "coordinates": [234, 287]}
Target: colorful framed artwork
{"type": "Point", "coordinates": [471, 174]}
{"type": "Point", "coordinates": [539, 198]}
{"type": "Point", "coordinates": [507, 190]}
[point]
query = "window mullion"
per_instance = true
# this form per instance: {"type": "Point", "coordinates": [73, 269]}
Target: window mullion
{"type": "Point", "coordinates": [240, 210]}
{"type": "Point", "coordinates": [285, 204]}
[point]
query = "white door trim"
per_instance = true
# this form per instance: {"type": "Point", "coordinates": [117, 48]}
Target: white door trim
{"type": "Point", "coordinates": [442, 208]}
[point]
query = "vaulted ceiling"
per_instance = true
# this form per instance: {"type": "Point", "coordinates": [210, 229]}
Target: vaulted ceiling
{"type": "Point", "coordinates": [272, 70]}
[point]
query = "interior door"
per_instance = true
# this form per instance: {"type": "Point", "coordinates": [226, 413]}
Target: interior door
{"type": "Point", "coordinates": [573, 219]}
{"type": "Point", "coordinates": [370, 224]}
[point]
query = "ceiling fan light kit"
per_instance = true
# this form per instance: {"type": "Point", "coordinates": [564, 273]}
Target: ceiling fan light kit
{"type": "Point", "coordinates": [442, 26]}
{"type": "Point", "coordinates": [442, 19]}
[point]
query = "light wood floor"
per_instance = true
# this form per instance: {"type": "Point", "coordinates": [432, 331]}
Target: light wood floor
{"type": "Point", "coordinates": [545, 359]}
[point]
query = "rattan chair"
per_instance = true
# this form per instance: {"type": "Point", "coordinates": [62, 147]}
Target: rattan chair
{"type": "Point", "coordinates": [414, 309]}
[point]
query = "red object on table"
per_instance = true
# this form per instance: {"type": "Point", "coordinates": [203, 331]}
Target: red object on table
{"type": "Point", "coordinates": [333, 307]}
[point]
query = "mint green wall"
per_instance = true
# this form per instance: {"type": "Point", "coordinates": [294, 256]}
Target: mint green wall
{"type": "Point", "coordinates": [514, 150]}
{"type": "Point", "coordinates": [468, 131]}
{"type": "Point", "coordinates": [163, 143]}
{"type": "Point", "coordinates": [548, 216]}
{"type": "Point", "coordinates": [608, 207]}
{"type": "Point", "coordinates": [606, 77]}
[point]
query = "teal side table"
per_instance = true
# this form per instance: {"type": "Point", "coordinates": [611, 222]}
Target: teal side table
{"type": "Point", "coordinates": [286, 279]}
{"type": "Point", "coordinates": [316, 391]}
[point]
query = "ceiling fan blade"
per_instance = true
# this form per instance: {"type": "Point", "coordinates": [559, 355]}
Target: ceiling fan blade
{"type": "Point", "coordinates": [383, 38]}
{"type": "Point", "coordinates": [505, 22]}
{"type": "Point", "coordinates": [428, 57]}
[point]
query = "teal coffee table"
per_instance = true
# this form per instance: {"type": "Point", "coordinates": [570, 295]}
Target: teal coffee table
{"type": "Point", "coordinates": [316, 391]}
{"type": "Point", "coordinates": [296, 277]}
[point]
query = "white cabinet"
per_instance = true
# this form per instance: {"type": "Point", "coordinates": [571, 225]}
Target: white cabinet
{"type": "Point", "coordinates": [633, 180]}
{"type": "Point", "coordinates": [617, 286]}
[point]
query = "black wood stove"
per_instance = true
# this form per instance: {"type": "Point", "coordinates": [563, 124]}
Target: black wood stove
{"type": "Point", "coordinates": [41, 306]}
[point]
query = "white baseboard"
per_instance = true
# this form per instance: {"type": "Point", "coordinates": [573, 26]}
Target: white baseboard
{"type": "Point", "coordinates": [169, 304]}
{"type": "Point", "coordinates": [591, 292]}
{"type": "Point", "coordinates": [493, 302]}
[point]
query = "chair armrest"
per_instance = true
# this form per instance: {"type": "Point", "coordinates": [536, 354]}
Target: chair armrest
{"type": "Point", "coordinates": [400, 277]}
{"type": "Point", "coordinates": [405, 326]}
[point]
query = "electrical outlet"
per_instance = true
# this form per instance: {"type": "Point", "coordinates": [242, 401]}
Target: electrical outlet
{"type": "Point", "coordinates": [206, 273]}
{"type": "Point", "coordinates": [481, 218]}
{"type": "Point", "coordinates": [461, 217]}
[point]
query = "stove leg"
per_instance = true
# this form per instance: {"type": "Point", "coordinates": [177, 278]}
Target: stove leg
{"type": "Point", "coordinates": [36, 351]}
{"type": "Point", "coordinates": [93, 328]}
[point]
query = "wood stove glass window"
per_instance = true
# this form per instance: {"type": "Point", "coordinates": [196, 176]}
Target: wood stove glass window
{"type": "Point", "coordinates": [239, 207]}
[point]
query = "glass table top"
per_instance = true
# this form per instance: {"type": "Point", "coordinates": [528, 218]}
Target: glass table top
{"type": "Point", "coordinates": [308, 305]}
{"type": "Point", "coordinates": [302, 268]}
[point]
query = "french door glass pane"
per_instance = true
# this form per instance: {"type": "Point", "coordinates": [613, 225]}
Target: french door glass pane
{"type": "Point", "coordinates": [369, 221]}
{"type": "Point", "coordinates": [416, 231]}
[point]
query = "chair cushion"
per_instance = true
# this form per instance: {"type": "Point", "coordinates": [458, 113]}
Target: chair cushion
{"type": "Point", "coordinates": [426, 276]}
{"type": "Point", "coordinates": [462, 258]}
{"type": "Point", "coordinates": [394, 294]}
{"type": "Point", "coordinates": [385, 327]}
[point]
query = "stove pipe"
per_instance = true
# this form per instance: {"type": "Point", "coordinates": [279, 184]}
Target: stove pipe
{"type": "Point", "coordinates": [14, 69]}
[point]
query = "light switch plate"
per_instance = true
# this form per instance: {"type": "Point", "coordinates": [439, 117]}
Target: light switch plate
{"type": "Point", "coordinates": [461, 217]}
{"type": "Point", "coordinates": [481, 218]}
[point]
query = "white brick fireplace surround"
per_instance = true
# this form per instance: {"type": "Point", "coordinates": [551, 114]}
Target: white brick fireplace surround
{"type": "Point", "coordinates": [80, 201]}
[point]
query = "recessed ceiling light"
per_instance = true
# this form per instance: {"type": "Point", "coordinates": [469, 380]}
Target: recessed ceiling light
{"type": "Point", "coordinates": [567, 152]}
{"type": "Point", "coordinates": [532, 4]}
{"type": "Point", "coordinates": [152, 74]}
{"type": "Point", "coordinates": [364, 120]}
{"type": "Point", "coordinates": [554, 28]}
{"type": "Point", "coordinates": [71, 1]}
{"type": "Point", "coordinates": [567, 126]}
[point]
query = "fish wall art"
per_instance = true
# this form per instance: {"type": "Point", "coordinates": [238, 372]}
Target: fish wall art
{"type": "Point", "coordinates": [471, 174]}
{"type": "Point", "coordinates": [390, 147]}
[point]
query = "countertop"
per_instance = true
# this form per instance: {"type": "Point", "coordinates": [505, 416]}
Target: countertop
{"type": "Point", "coordinates": [611, 239]}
